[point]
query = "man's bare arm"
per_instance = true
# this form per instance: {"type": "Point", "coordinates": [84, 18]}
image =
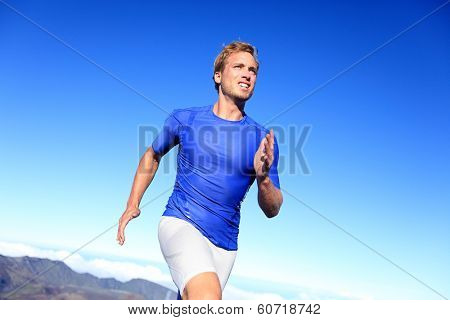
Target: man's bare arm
{"type": "Point", "coordinates": [148, 165]}
{"type": "Point", "coordinates": [270, 197]}
{"type": "Point", "coordinates": [144, 176]}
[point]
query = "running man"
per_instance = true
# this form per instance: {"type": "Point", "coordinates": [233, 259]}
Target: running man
{"type": "Point", "coordinates": [222, 151]}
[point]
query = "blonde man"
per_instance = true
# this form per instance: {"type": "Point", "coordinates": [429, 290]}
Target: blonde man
{"type": "Point", "coordinates": [222, 151]}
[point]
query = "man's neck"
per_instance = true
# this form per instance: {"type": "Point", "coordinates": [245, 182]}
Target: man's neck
{"type": "Point", "coordinates": [228, 109]}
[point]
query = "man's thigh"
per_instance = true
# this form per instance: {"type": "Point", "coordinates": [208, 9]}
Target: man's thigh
{"type": "Point", "coordinates": [191, 256]}
{"type": "Point", "coordinates": [203, 286]}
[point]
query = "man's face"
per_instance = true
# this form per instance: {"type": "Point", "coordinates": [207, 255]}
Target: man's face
{"type": "Point", "coordinates": [238, 77]}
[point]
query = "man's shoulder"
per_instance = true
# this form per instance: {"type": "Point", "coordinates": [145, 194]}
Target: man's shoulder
{"type": "Point", "coordinates": [259, 127]}
{"type": "Point", "coordinates": [180, 111]}
{"type": "Point", "coordinates": [183, 114]}
{"type": "Point", "coordinates": [261, 130]}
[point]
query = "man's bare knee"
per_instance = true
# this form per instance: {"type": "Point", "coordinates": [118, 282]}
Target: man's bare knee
{"type": "Point", "coordinates": [204, 286]}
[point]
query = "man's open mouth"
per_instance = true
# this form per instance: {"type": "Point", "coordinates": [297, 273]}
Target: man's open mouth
{"type": "Point", "coordinates": [244, 85]}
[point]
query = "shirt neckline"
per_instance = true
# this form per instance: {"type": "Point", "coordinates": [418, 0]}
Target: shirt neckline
{"type": "Point", "coordinates": [211, 107]}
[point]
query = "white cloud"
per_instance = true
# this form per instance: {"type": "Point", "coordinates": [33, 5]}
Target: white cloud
{"type": "Point", "coordinates": [102, 268]}
{"type": "Point", "coordinates": [20, 250]}
{"type": "Point", "coordinates": [321, 294]}
{"type": "Point", "coordinates": [124, 271]}
{"type": "Point", "coordinates": [234, 293]}
{"type": "Point", "coordinates": [290, 292]}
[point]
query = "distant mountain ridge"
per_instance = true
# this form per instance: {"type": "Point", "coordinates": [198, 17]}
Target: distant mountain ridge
{"type": "Point", "coordinates": [61, 282]}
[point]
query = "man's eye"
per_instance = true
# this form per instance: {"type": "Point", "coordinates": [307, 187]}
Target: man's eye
{"type": "Point", "coordinates": [237, 66]}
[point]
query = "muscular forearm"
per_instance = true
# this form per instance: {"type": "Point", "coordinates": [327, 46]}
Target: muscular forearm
{"type": "Point", "coordinates": [145, 172]}
{"type": "Point", "coordinates": [269, 197]}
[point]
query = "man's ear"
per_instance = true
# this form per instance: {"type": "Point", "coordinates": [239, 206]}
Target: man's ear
{"type": "Point", "coordinates": [217, 77]}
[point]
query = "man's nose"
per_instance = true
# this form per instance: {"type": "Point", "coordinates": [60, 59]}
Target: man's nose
{"type": "Point", "coordinates": [246, 75]}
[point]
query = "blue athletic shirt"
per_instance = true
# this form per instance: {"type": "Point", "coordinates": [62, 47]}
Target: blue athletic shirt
{"type": "Point", "coordinates": [214, 169]}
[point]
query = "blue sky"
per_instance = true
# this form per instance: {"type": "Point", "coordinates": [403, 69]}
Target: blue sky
{"type": "Point", "coordinates": [378, 149]}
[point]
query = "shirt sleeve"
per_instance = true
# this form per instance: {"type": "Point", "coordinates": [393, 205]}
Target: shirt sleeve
{"type": "Point", "coordinates": [168, 137]}
{"type": "Point", "coordinates": [273, 171]}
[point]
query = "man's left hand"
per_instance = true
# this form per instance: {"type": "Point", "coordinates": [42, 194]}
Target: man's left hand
{"type": "Point", "coordinates": [264, 155]}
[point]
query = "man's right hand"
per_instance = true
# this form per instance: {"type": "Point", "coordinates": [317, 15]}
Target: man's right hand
{"type": "Point", "coordinates": [130, 213]}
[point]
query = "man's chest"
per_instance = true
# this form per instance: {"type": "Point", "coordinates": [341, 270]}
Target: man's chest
{"type": "Point", "coordinates": [228, 148]}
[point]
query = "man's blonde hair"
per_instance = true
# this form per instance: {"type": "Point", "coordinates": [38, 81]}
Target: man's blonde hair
{"type": "Point", "coordinates": [235, 46]}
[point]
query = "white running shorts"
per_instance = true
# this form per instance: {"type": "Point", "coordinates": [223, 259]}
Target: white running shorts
{"type": "Point", "coordinates": [188, 252]}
